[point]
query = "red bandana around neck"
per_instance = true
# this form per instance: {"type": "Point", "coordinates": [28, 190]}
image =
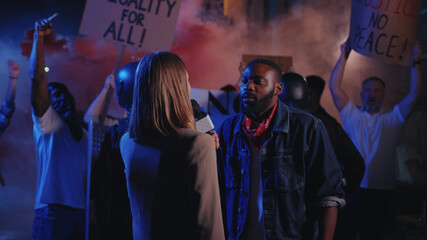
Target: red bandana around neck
{"type": "Point", "coordinates": [257, 133]}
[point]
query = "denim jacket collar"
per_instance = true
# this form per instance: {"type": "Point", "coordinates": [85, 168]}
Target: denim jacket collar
{"type": "Point", "coordinates": [282, 113]}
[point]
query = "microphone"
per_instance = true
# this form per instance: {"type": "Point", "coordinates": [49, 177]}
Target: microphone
{"type": "Point", "coordinates": [203, 121]}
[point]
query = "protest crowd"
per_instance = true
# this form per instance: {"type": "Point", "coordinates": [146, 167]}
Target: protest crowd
{"type": "Point", "coordinates": [280, 167]}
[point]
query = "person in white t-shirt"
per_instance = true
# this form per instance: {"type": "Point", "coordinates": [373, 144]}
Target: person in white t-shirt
{"type": "Point", "coordinates": [374, 132]}
{"type": "Point", "coordinates": [61, 150]}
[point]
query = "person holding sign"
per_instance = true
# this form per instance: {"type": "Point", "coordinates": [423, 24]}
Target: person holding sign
{"type": "Point", "coordinates": [109, 192]}
{"type": "Point", "coordinates": [61, 148]}
{"type": "Point", "coordinates": [170, 166]}
{"type": "Point", "coordinates": [374, 132]}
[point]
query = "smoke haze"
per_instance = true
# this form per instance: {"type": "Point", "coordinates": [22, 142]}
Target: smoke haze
{"type": "Point", "coordinates": [212, 51]}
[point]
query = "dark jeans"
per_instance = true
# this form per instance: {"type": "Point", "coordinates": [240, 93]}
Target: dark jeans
{"type": "Point", "coordinates": [59, 222]}
{"type": "Point", "coordinates": [366, 211]}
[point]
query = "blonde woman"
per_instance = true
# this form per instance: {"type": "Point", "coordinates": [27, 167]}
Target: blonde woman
{"type": "Point", "coordinates": [170, 167]}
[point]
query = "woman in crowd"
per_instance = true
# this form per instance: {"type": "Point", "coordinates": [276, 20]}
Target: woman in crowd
{"type": "Point", "coordinates": [170, 167]}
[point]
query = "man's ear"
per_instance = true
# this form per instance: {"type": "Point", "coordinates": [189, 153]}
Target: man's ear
{"type": "Point", "coordinates": [278, 88]}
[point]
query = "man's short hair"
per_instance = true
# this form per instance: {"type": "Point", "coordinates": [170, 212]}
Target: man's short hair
{"type": "Point", "coordinates": [61, 99]}
{"type": "Point", "coordinates": [295, 91]}
{"type": "Point", "coordinates": [316, 84]}
{"type": "Point", "coordinates": [124, 82]}
{"type": "Point", "coordinates": [62, 102]}
{"type": "Point", "coordinates": [374, 79]}
{"type": "Point", "coordinates": [272, 64]}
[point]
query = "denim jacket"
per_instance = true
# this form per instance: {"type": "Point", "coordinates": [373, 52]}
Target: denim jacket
{"type": "Point", "coordinates": [299, 174]}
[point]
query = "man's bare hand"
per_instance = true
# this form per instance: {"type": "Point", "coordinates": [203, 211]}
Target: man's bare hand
{"type": "Point", "coordinates": [215, 137]}
{"type": "Point", "coordinates": [44, 26]}
{"type": "Point", "coordinates": [109, 82]}
{"type": "Point", "coordinates": [416, 52]}
{"type": "Point", "coordinates": [345, 48]}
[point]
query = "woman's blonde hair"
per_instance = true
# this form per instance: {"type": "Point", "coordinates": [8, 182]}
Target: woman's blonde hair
{"type": "Point", "coordinates": [161, 100]}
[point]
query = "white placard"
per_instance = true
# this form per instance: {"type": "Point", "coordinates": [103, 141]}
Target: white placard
{"type": "Point", "coordinates": [146, 24]}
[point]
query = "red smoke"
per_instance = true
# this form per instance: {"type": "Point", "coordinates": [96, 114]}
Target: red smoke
{"type": "Point", "coordinates": [81, 63]}
{"type": "Point", "coordinates": [51, 43]}
{"type": "Point", "coordinates": [211, 50]}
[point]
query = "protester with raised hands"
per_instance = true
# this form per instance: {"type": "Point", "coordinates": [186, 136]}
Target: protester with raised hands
{"type": "Point", "coordinates": [374, 131]}
{"type": "Point", "coordinates": [61, 151]}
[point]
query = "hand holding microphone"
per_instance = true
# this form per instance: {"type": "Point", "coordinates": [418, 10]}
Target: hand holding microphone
{"type": "Point", "coordinates": [203, 121]}
{"type": "Point", "coordinates": [215, 137]}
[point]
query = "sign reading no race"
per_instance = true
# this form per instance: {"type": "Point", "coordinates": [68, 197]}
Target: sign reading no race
{"type": "Point", "coordinates": [385, 29]}
{"type": "Point", "coordinates": [146, 24]}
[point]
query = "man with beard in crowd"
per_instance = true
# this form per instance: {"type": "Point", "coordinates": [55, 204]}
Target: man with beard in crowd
{"type": "Point", "coordinates": [374, 132]}
{"type": "Point", "coordinates": [278, 175]}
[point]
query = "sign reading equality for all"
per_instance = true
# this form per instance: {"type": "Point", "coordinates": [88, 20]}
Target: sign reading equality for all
{"type": "Point", "coordinates": [385, 29]}
{"type": "Point", "coordinates": [146, 24]}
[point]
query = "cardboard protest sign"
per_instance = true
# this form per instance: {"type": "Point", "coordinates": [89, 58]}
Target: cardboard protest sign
{"type": "Point", "coordinates": [146, 24]}
{"type": "Point", "coordinates": [220, 105]}
{"type": "Point", "coordinates": [385, 29]}
{"type": "Point", "coordinates": [284, 62]}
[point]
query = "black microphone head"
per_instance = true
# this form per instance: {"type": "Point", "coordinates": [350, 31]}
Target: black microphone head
{"type": "Point", "coordinates": [198, 114]}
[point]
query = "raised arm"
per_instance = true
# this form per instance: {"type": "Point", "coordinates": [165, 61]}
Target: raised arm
{"type": "Point", "coordinates": [97, 110]}
{"type": "Point", "coordinates": [39, 91]}
{"type": "Point", "coordinates": [335, 82]}
{"type": "Point", "coordinates": [408, 102]}
{"type": "Point", "coordinates": [13, 77]}
{"type": "Point", "coordinates": [8, 106]}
